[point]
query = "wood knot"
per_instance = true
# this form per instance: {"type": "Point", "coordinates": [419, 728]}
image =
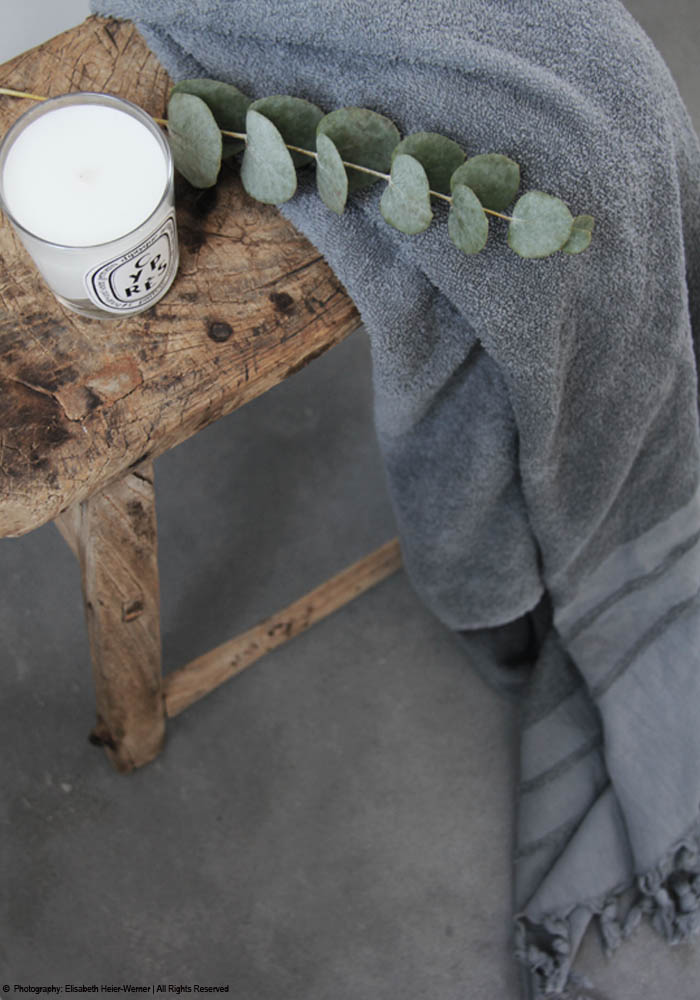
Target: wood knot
{"type": "Point", "coordinates": [281, 301]}
{"type": "Point", "coordinates": [100, 736]}
{"type": "Point", "coordinates": [132, 609]}
{"type": "Point", "coordinates": [219, 332]}
{"type": "Point", "coordinates": [140, 520]}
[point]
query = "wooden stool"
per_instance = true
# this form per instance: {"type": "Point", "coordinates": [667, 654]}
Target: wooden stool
{"type": "Point", "coordinates": [86, 406]}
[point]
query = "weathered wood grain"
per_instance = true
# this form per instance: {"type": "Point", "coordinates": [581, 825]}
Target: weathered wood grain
{"type": "Point", "coordinates": [69, 523]}
{"type": "Point", "coordinates": [190, 683]}
{"type": "Point", "coordinates": [115, 538]}
{"type": "Point", "coordinates": [83, 400]}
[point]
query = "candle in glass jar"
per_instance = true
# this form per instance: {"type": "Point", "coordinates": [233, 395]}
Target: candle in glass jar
{"type": "Point", "coordinates": [87, 181]}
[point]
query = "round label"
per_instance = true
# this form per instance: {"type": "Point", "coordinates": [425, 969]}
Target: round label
{"type": "Point", "coordinates": [140, 276]}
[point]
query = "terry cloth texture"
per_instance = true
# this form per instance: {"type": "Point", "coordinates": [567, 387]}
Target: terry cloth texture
{"type": "Point", "coordinates": [538, 418]}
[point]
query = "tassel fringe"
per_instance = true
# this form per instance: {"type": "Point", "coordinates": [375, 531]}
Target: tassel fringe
{"type": "Point", "coordinates": [668, 896]}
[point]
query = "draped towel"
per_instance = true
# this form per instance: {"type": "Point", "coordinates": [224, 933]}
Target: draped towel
{"type": "Point", "coordinates": [538, 419]}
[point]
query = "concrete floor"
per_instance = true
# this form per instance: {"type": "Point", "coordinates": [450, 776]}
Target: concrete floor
{"type": "Point", "coordinates": [335, 823]}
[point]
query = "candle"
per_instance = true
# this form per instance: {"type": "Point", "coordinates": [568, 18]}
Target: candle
{"type": "Point", "coordinates": [87, 182]}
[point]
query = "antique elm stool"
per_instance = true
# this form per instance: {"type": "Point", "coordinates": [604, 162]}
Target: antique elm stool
{"type": "Point", "coordinates": [86, 406]}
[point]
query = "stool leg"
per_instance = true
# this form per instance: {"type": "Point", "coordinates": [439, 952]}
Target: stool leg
{"type": "Point", "coordinates": [115, 539]}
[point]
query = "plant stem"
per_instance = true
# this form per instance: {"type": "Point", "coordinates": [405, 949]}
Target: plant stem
{"type": "Point", "coordinates": [297, 149]}
{"type": "Point", "coordinates": [21, 93]}
{"type": "Point", "coordinates": [233, 135]}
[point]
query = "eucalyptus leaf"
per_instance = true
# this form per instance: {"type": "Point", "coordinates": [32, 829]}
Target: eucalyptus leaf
{"type": "Point", "coordinates": [581, 234]}
{"type": "Point", "coordinates": [363, 137]}
{"type": "Point", "coordinates": [331, 178]}
{"type": "Point", "coordinates": [467, 225]}
{"type": "Point", "coordinates": [195, 139]}
{"type": "Point", "coordinates": [493, 178]}
{"type": "Point", "coordinates": [267, 171]}
{"type": "Point", "coordinates": [295, 119]}
{"type": "Point", "coordinates": [438, 155]}
{"type": "Point", "coordinates": [541, 225]}
{"type": "Point", "coordinates": [226, 102]}
{"type": "Point", "coordinates": [405, 204]}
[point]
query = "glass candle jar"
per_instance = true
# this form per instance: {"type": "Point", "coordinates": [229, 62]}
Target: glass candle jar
{"type": "Point", "coordinates": [87, 182]}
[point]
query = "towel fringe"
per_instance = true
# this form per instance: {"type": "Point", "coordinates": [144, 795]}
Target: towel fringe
{"type": "Point", "coordinates": [668, 895]}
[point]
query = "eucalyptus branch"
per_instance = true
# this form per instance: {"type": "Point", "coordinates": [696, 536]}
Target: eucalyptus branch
{"type": "Point", "coordinates": [208, 120]}
{"type": "Point", "coordinates": [353, 148]}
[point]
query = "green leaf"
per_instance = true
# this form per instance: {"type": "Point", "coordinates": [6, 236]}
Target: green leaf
{"type": "Point", "coordinates": [195, 140]}
{"type": "Point", "coordinates": [467, 225]}
{"type": "Point", "coordinates": [438, 155]}
{"type": "Point", "coordinates": [541, 225]}
{"type": "Point", "coordinates": [581, 233]}
{"type": "Point", "coordinates": [405, 203]}
{"type": "Point", "coordinates": [493, 178]}
{"type": "Point", "coordinates": [295, 119]}
{"type": "Point", "coordinates": [267, 171]}
{"type": "Point", "coordinates": [226, 103]}
{"type": "Point", "coordinates": [363, 137]}
{"type": "Point", "coordinates": [331, 178]}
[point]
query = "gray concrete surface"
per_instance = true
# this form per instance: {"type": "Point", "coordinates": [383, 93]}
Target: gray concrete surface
{"type": "Point", "coordinates": [334, 824]}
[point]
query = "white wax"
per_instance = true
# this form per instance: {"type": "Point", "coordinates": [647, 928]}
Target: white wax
{"type": "Point", "coordinates": [83, 175]}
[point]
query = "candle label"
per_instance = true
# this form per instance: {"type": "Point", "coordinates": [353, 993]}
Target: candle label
{"type": "Point", "coordinates": [138, 277]}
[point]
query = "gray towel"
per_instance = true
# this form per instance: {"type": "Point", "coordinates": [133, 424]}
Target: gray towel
{"type": "Point", "coordinates": [538, 418]}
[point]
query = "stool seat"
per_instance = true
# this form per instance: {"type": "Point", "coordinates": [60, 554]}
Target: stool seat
{"type": "Point", "coordinates": [82, 400]}
{"type": "Point", "coordinates": [86, 405]}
